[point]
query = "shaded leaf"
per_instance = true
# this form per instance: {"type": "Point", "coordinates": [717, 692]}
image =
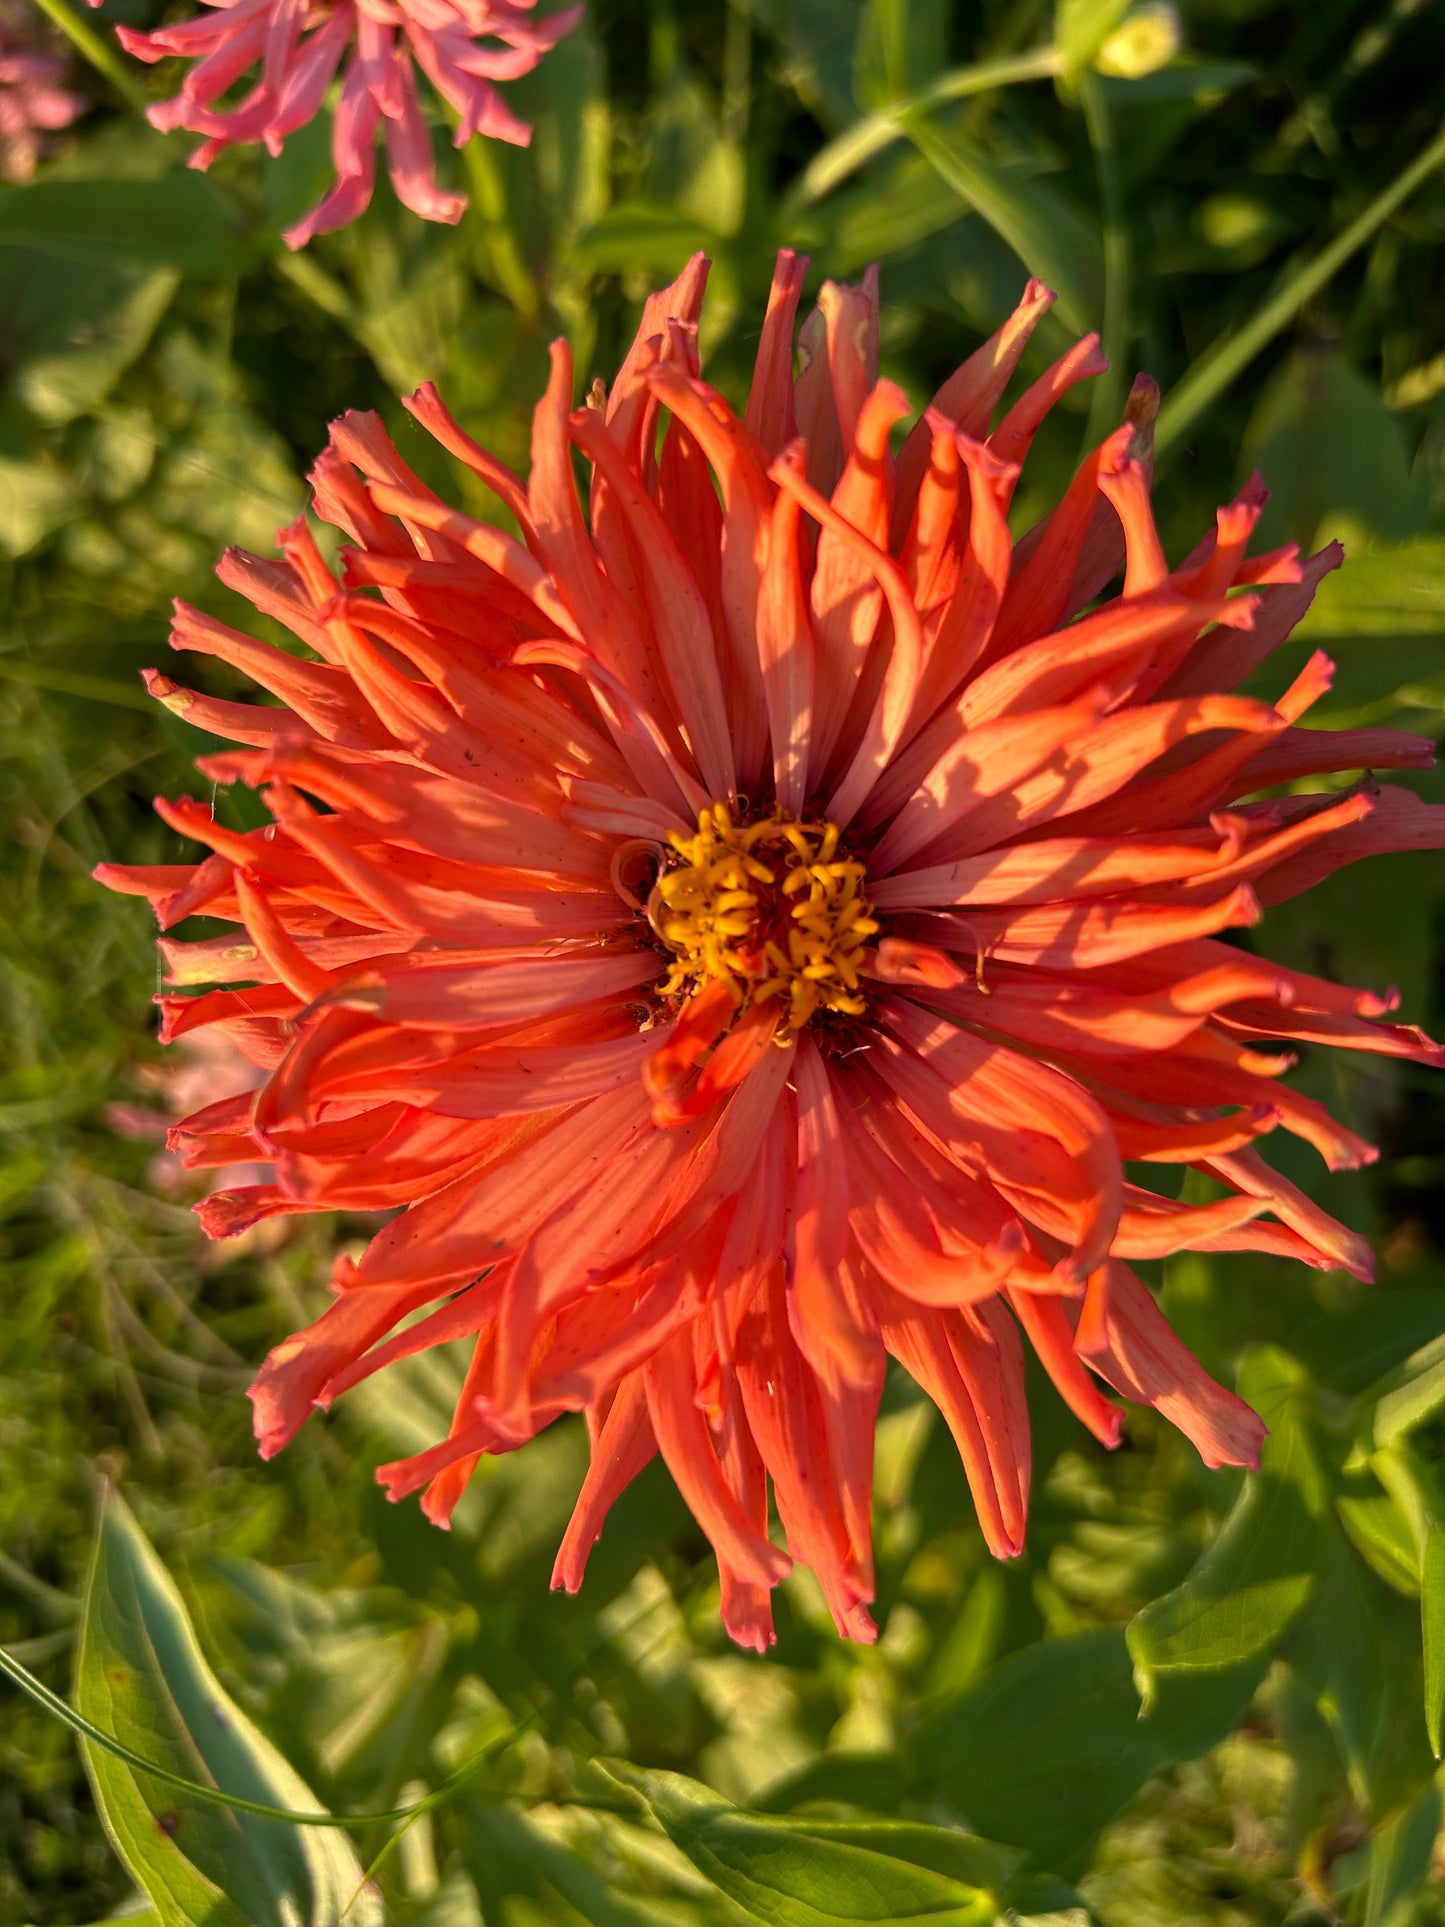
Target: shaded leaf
{"type": "Point", "coordinates": [1252, 1580]}
{"type": "Point", "coordinates": [1051, 1744]}
{"type": "Point", "coordinates": [1048, 234]}
{"type": "Point", "coordinates": [181, 221]}
{"type": "Point", "coordinates": [67, 332]}
{"type": "Point", "coordinates": [1400, 1860]}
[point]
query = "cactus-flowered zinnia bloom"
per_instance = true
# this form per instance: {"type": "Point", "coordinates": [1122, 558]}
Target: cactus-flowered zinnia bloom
{"type": "Point", "coordinates": [462, 46]}
{"type": "Point", "coordinates": [34, 102]}
{"type": "Point", "coordinates": [765, 921]}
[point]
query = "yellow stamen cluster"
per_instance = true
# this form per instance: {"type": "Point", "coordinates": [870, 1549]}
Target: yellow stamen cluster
{"type": "Point", "coordinates": [768, 908]}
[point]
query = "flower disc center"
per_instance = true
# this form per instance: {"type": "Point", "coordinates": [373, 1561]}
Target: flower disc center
{"type": "Point", "coordinates": [769, 908]}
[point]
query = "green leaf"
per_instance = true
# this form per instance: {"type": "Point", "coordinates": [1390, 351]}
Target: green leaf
{"type": "Point", "coordinates": [1417, 1395]}
{"type": "Point", "coordinates": [36, 496]}
{"type": "Point", "coordinates": [1051, 1744]}
{"type": "Point", "coordinates": [68, 331]}
{"type": "Point", "coordinates": [1330, 447]}
{"type": "Point", "coordinates": [1414, 1484]}
{"type": "Point", "coordinates": [1260, 1568]}
{"type": "Point", "coordinates": [181, 221]}
{"type": "Point", "coordinates": [1251, 1582]}
{"type": "Point", "coordinates": [647, 235]}
{"type": "Point", "coordinates": [805, 1873]}
{"type": "Point", "coordinates": [1080, 29]}
{"type": "Point", "coordinates": [1381, 1535]}
{"type": "Point", "coordinates": [1233, 350]}
{"type": "Point", "coordinates": [141, 1676]}
{"type": "Point", "coordinates": [1400, 1859]}
{"type": "Point", "coordinates": [507, 1854]}
{"type": "Point", "coordinates": [1045, 230]}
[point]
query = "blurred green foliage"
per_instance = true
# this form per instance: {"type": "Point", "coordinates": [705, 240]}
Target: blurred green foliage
{"type": "Point", "coordinates": [1246, 196]}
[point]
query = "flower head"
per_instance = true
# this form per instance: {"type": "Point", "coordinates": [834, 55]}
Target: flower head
{"type": "Point", "coordinates": [768, 921]}
{"type": "Point", "coordinates": [34, 102]}
{"type": "Point", "coordinates": [462, 46]}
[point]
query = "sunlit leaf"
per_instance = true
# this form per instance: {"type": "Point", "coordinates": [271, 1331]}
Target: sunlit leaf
{"type": "Point", "coordinates": [805, 1873]}
{"type": "Point", "coordinates": [141, 1676]}
{"type": "Point", "coordinates": [1382, 1537]}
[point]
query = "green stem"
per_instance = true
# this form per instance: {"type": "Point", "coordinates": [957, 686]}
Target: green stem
{"type": "Point", "coordinates": [53, 1703]}
{"type": "Point", "coordinates": [1232, 352]}
{"type": "Point", "coordinates": [492, 216]}
{"type": "Point", "coordinates": [1104, 409]}
{"type": "Point", "coordinates": [875, 131]}
{"type": "Point", "coordinates": [98, 52]}
{"type": "Point", "coordinates": [315, 283]}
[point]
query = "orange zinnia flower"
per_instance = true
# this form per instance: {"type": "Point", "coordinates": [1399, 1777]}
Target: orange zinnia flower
{"type": "Point", "coordinates": [751, 927]}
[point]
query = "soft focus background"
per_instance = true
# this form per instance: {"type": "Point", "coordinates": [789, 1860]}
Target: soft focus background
{"type": "Point", "coordinates": [1247, 198]}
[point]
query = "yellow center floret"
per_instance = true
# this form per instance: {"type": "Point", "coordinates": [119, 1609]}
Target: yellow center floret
{"type": "Point", "coordinates": [768, 908]}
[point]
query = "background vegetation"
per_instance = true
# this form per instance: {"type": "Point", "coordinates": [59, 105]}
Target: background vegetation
{"type": "Point", "coordinates": [1256, 218]}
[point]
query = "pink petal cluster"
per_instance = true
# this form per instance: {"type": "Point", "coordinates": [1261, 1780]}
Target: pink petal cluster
{"type": "Point", "coordinates": [462, 46]}
{"type": "Point", "coordinates": [33, 103]}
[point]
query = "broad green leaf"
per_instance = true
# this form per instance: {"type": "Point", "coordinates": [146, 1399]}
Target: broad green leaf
{"type": "Point", "coordinates": [1258, 1571]}
{"type": "Point", "coordinates": [1352, 1345]}
{"type": "Point", "coordinates": [1412, 1481]}
{"type": "Point", "coordinates": [141, 1676]}
{"type": "Point", "coordinates": [36, 496]}
{"type": "Point", "coordinates": [1416, 1396]}
{"type": "Point", "coordinates": [67, 332]}
{"type": "Point", "coordinates": [1251, 1582]}
{"type": "Point", "coordinates": [182, 221]}
{"type": "Point", "coordinates": [1045, 230]}
{"type": "Point", "coordinates": [1046, 1748]}
{"type": "Point", "coordinates": [1381, 1534]}
{"type": "Point", "coordinates": [805, 1873]}
{"type": "Point", "coordinates": [635, 235]}
{"type": "Point", "coordinates": [1329, 446]}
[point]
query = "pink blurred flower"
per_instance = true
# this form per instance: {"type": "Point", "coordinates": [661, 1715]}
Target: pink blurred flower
{"type": "Point", "coordinates": [462, 46]}
{"type": "Point", "coordinates": [209, 1068]}
{"type": "Point", "coordinates": [33, 103]}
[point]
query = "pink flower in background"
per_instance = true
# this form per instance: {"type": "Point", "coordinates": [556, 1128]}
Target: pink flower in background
{"type": "Point", "coordinates": [462, 46]}
{"type": "Point", "coordinates": [33, 103]}
{"type": "Point", "coordinates": [208, 1069]}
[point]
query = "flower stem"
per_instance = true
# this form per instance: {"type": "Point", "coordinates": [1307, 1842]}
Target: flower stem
{"type": "Point", "coordinates": [98, 52]}
{"type": "Point", "coordinates": [1232, 352]}
{"type": "Point", "coordinates": [492, 216]}
{"type": "Point", "coordinates": [875, 131]}
{"type": "Point", "coordinates": [1117, 266]}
